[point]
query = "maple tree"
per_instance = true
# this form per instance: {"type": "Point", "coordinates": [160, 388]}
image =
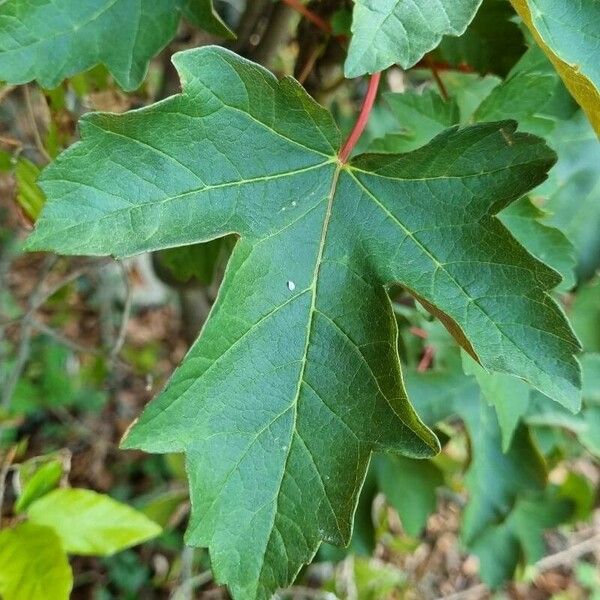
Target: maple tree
{"type": "Point", "coordinates": [296, 379]}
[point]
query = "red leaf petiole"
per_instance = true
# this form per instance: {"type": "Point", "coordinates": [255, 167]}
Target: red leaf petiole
{"type": "Point", "coordinates": [362, 120]}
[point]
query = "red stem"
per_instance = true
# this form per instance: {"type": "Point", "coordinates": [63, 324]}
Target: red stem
{"type": "Point", "coordinates": [426, 360]}
{"type": "Point", "coordinates": [309, 14]}
{"type": "Point", "coordinates": [436, 76]}
{"type": "Point", "coordinates": [362, 120]}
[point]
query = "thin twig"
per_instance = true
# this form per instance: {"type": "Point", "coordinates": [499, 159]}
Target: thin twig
{"type": "Point", "coordinates": [426, 359]}
{"type": "Point", "coordinates": [8, 141]}
{"type": "Point", "coordinates": [36, 132]}
{"type": "Point", "coordinates": [438, 80]}
{"type": "Point", "coordinates": [297, 592]}
{"type": "Point", "coordinates": [185, 591]}
{"type": "Point", "coordinates": [419, 332]}
{"type": "Point", "coordinates": [43, 298]}
{"type": "Point", "coordinates": [190, 585]}
{"type": "Point", "coordinates": [362, 120]}
{"type": "Point", "coordinates": [6, 464]}
{"type": "Point", "coordinates": [24, 348]}
{"type": "Point", "coordinates": [74, 346]}
{"type": "Point", "coordinates": [120, 341]}
{"type": "Point", "coordinates": [569, 555]}
{"type": "Point", "coordinates": [314, 18]}
{"type": "Point", "coordinates": [473, 593]}
{"type": "Point", "coordinates": [310, 63]}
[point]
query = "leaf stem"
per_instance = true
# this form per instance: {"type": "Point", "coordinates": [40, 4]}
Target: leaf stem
{"type": "Point", "coordinates": [362, 120]}
{"type": "Point", "coordinates": [438, 80]}
{"type": "Point", "coordinates": [309, 14]}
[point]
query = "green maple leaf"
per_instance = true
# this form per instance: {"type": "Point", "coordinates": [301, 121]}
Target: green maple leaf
{"type": "Point", "coordinates": [386, 32]}
{"type": "Point", "coordinates": [295, 378]}
{"type": "Point", "coordinates": [49, 40]}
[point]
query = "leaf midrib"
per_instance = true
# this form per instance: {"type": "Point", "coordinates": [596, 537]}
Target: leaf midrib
{"type": "Point", "coordinates": [312, 311]}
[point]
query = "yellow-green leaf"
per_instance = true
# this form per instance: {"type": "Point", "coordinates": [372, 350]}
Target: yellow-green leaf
{"type": "Point", "coordinates": [33, 564]}
{"type": "Point", "coordinates": [89, 523]}
{"type": "Point", "coordinates": [569, 33]}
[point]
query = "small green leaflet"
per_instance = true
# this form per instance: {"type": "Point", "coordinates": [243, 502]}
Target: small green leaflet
{"type": "Point", "coordinates": [89, 523]}
{"type": "Point", "coordinates": [508, 395]}
{"type": "Point", "coordinates": [293, 382]}
{"type": "Point", "coordinates": [33, 564]}
{"type": "Point", "coordinates": [386, 32]}
{"type": "Point", "coordinates": [585, 316]}
{"type": "Point", "coordinates": [422, 116]}
{"type": "Point", "coordinates": [37, 477]}
{"type": "Point", "coordinates": [410, 487]}
{"type": "Point", "coordinates": [29, 196]}
{"type": "Point", "coordinates": [49, 40]}
{"type": "Point", "coordinates": [585, 424]}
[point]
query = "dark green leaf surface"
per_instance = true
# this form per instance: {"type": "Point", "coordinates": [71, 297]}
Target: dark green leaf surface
{"type": "Point", "coordinates": [33, 564]}
{"type": "Point", "coordinates": [495, 478]}
{"type": "Point", "coordinates": [295, 378]}
{"type": "Point", "coordinates": [492, 43]}
{"type": "Point", "coordinates": [386, 32]}
{"type": "Point", "coordinates": [519, 534]}
{"type": "Point", "coordinates": [49, 40]}
{"type": "Point", "coordinates": [203, 14]}
{"type": "Point", "coordinates": [527, 223]}
{"type": "Point", "coordinates": [524, 95]}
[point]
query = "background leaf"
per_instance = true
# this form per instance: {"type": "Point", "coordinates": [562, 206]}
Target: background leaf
{"type": "Point", "coordinates": [568, 34]}
{"type": "Point", "coordinates": [410, 487]}
{"type": "Point", "coordinates": [48, 40]}
{"type": "Point", "coordinates": [394, 31]}
{"type": "Point", "coordinates": [91, 524]}
{"type": "Point", "coordinates": [203, 14]}
{"type": "Point", "coordinates": [33, 564]}
{"type": "Point", "coordinates": [492, 43]}
{"type": "Point", "coordinates": [36, 478]}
